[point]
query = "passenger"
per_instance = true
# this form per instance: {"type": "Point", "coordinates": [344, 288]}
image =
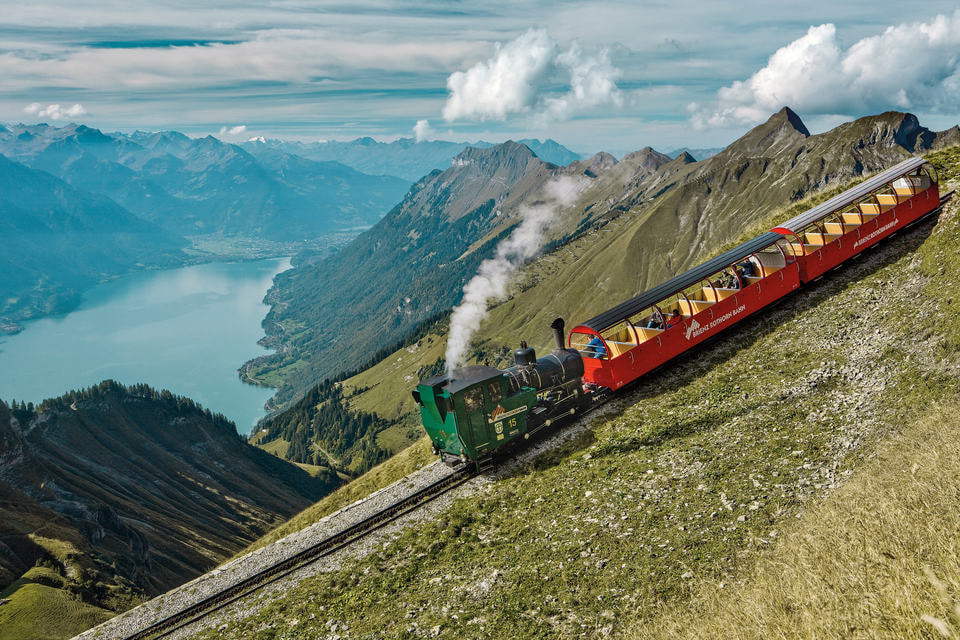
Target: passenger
{"type": "Point", "coordinates": [747, 268]}
{"type": "Point", "coordinates": [596, 346]}
{"type": "Point", "coordinates": [674, 319]}
{"type": "Point", "coordinates": [656, 321]}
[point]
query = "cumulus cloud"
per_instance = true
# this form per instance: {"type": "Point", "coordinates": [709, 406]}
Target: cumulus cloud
{"type": "Point", "coordinates": [54, 111]}
{"type": "Point", "coordinates": [493, 275]}
{"type": "Point", "coordinates": [909, 66]}
{"type": "Point", "coordinates": [517, 79]}
{"type": "Point", "coordinates": [422, 130]}
{"type": "Point", "coordinates": [232, 132]}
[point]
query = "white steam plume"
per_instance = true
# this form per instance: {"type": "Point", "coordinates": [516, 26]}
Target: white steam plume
{"type": "Point", "coordinates": [494, 273]}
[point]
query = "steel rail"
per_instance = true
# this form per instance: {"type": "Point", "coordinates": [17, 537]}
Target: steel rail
{"type": "Point", "coordinates": [197, 611]}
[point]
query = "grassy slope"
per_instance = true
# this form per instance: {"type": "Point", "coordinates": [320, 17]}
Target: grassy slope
{"type": "Point", "coordinates": [709, 462]}
{"type": "Point", "coordinates": [40, 609]}
{"type": "Point", "coordinates": [876, 558]}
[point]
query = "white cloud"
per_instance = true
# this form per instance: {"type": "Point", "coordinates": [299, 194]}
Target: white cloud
{"type": "Point", "coordinates": [909, 66]}
{"type": "Point", "coordinates": [233, 132]}
{"type": "Point", "coordinates": [54, 111]}
{"type": "Point", "coordinates": [516, 81]}
{"type": "Point", "coordinates": [422, 130]}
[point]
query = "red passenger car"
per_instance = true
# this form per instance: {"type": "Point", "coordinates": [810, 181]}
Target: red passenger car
{"type": "Point", "coordinates": [640, 334]}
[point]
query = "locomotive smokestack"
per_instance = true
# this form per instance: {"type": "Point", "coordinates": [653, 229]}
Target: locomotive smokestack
{"type": "Point", "coordinates": [557, 326]}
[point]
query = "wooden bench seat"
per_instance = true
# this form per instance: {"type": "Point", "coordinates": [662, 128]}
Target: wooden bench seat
{"type": "Point", "coordinates": [647, 334]}
{"type": "Point", "coordinates": [888, 198]}
{"type": "Point", "coordinates": [873, 208]}
{"type": "Point", "coordinates": [619, 348]}
{"type": "Point", "coordinates": [721, 294]}
{"type": "Point", "coordinates": [820, 239]}
{"type": "Point", "coordinates": [839, 228]}
{"type": "Point", "coordinates": [855, 218]}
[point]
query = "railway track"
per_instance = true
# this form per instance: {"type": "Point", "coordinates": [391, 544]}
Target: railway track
{"type": "Point", "coordinates": [246, 587]}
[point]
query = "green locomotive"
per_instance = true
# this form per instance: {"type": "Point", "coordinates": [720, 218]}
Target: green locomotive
{"type": "Point", "coordinates": [472, 412]}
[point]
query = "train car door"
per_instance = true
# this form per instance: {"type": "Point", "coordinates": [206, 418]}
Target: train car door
{"type": "Point", "coordinates": [475, 435]}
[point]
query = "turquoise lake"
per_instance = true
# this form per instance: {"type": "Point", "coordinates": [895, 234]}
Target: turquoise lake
{"type": "Point", "coordinates": [187, 330]}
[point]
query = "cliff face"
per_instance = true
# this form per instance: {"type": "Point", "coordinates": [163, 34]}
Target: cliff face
{"type": "Point", "coordinates": [129, 492]}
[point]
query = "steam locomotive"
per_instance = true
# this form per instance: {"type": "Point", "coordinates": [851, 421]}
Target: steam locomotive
{"type": "Point", "coordinates": [471, 412]}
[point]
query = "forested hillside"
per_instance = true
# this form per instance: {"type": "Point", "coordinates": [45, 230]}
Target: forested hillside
{"type": "Point", "coordinates": [112, 494]}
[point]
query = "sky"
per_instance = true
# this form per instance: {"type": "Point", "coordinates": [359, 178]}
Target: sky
{"type": "Point", "coordinates": [614, 76]}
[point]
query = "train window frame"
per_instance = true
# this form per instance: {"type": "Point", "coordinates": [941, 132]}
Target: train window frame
{"type": "Point", "coordinates": [471, 397]}
{"type": "Point", "coordinates": [494, 392]}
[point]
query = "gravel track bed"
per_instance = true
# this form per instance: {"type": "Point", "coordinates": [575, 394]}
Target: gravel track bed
{"type": "Point", "coordinates": [245, 566]}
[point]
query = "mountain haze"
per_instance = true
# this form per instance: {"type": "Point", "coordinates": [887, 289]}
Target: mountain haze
{"type": "Point", "coordinates": [201, 186]}
{"type": "Point", "coordinates": [58, 240]}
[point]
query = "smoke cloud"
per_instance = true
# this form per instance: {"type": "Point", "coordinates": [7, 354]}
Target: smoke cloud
{"type": "Point", "coordinates": [493, 276]}
{"type": "Point", "coordinates": [908, 66]}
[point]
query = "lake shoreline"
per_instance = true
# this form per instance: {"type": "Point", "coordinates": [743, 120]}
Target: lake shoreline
{"type": "Point", "coordinates": [186, 329]}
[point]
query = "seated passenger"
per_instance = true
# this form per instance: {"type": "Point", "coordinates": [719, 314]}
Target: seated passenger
{"type": "Point", "coordinates": [656, 321]}
{"type": "Point", "coordinates": [596, 347]}
{"type": "Point", "coordinates": [674, 319]}
{"type": "Point", "coordinates": [746, 269]}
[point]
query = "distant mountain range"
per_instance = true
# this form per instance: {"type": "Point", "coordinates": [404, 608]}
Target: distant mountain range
{"type": "Point", "coordinates": [405, 158]}
{"type": "Point", "coordinates": [193, 186]}
{"type": "Point", "coordinates": [696, 154]}
{"type": "Point", "coordinates": [112, 493]}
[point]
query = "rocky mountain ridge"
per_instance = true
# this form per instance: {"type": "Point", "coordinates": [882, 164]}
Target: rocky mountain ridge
{"type": "Point", "coordinates": [406, 158]}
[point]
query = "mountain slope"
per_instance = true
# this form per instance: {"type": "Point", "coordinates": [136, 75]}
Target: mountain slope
{"type": "Point", "coordinates": [126, 492]}
{"type": "Point", "coordinates": [330, 316]}
{"type": "Point", "coordinates": [405, 158]}
{"type": "Point", "coordinates": [636, 223]}
{"type": "Point", "coordinates": [681, 487]}
{"type": "Point", "coordinates": [59, 240]}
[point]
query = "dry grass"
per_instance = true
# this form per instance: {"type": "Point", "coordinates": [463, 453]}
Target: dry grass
{"type": "Point", "coordinates": [879, 559]}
